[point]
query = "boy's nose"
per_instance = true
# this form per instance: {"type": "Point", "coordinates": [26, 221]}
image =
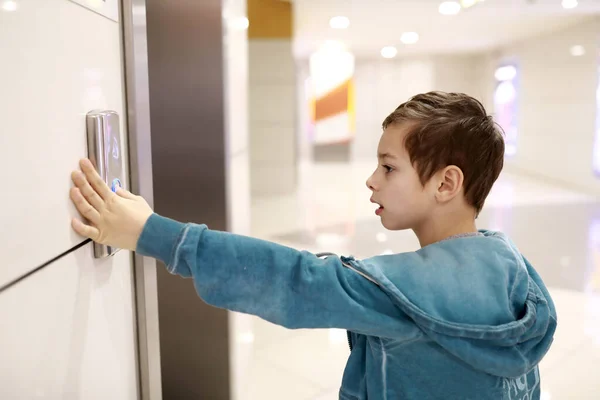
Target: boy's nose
{"type": "Point", "coordinates": [370, 183]}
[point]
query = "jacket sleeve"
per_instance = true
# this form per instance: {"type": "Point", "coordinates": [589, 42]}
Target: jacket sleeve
{"type": "Point", "coordinates": [295, 289]}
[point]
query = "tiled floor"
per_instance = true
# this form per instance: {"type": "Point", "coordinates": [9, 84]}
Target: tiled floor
{"type": "Point", "coordinates": [557, 229]}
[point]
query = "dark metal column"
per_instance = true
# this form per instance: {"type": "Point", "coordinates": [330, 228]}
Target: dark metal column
{"type": "Point", "coordinates": [185, 58]}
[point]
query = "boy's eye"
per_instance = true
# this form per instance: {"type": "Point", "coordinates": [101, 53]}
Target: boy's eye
{"type": "Point", "coordinates": [388, 168]}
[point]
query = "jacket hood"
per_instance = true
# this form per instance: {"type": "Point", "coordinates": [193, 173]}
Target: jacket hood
{"type": "Point", "coordinates": [476, 297]}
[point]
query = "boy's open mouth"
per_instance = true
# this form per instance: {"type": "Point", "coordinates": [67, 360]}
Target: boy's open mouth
{"type": "Point", "coordinates": [379, 209]}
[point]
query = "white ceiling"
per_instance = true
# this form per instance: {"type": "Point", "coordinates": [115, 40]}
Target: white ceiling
{"type": "Point", "coordinates": [378, 23]}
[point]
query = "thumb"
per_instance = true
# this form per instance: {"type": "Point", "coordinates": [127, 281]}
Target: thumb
{"type": "Point", "coordinates": [126, 194]}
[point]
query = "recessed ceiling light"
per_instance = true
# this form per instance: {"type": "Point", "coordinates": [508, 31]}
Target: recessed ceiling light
{"type": "Point", "coordinates": [577, 51]}
{"type": "Point", "coordinates": [449, 8]}
{"type": "Point", "coordinates": [389, 52]}
{"type": "Point", "coordinates": [339, 22]}
{"type": "Point", "coordinates": [569, 4]}
{"type": "Point", "coordinates": [409, 37]}
{"type": "Point", "coordinates": [9, 5]}
{"type": "Point", "coordinates": [468, 3]}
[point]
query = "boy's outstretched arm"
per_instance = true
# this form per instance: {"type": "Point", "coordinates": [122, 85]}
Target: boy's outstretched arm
{"type": "Point", "coordinates": [282, 285]}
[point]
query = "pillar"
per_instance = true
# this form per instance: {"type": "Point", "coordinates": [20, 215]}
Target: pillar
{"type": "Point", "coordinates": [272, 90]}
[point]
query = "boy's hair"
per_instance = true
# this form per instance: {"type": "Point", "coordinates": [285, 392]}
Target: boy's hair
{"type": "Point", "coordinates": [452, 129]}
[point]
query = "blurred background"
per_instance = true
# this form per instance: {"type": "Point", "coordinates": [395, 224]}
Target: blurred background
{"type": "Point", "coordinates": [262, 117]}
{"type": "Point", "coordinates": [535, 65]}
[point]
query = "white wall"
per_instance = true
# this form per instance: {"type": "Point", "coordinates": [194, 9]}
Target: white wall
{"type": "Point", "coordinates": [272, 117]}
{"type": "Point", "coordinates": [557, 104]}
{"type": "Point", "coordinates": [557, 110]}
{"type": "Point", "coordinates": [235, 42]}
{"type": "Point", "coordinates": [68, 330]}
{"type": "Point", "coordinates": [460, 74]}
{"type": "Point", "coordinates": [382, 85]}
{"type": "Point", "coordinates": [303, 142]}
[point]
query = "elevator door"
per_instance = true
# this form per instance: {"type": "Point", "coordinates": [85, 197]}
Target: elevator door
{"type": "Point", "coordinates": [67, 320]}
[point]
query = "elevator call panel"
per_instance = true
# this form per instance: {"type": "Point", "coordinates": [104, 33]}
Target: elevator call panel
{"type": "Point", "coordinates": [105, 152]}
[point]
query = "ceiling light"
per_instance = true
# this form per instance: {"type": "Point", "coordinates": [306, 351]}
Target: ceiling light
{"type": "Point", "coordinates": [577, 51]}
{"type": "Point", "coordinates": [339, 22]}
{"type": "Point", "coordinates": [449, 8]}
{"type": "Point", "coordinates": [570, 3]}
{"type": "Point", "coordinates": [409, 37]}
{"type": "Point", "coordinates": [468, 3]}
{"type": "Point", "coordinates": [389, 52]}
{"type": "Point", "coordinates": [9, 5]}
{"type": "Point", "coordinates": [505, 73]}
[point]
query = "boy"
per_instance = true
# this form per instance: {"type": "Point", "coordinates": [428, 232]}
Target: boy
{"type": "Point", "coordinates": [464, 317]}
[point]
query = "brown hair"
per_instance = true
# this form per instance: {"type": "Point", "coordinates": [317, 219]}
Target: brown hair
{"type": "Point", "coordinates": [452, 129]}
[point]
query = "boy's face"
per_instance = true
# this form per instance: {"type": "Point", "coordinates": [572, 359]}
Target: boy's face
{"type": "Point", "coordinates": [404, 202]}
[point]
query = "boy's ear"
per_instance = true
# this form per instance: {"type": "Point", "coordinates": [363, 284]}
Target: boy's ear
{"type": "Point", "coordinates": [449, 183]}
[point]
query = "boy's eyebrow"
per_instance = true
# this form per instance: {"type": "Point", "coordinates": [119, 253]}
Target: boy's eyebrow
{"type": "Point", "coordinates": [385, 155]}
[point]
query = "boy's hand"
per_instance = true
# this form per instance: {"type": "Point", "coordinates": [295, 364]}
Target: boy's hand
{"type": "Point", "coordinates": [114, 219]}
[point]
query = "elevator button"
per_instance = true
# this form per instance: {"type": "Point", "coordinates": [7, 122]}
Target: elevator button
{"type": "Point", "coordinates": [116, 184]}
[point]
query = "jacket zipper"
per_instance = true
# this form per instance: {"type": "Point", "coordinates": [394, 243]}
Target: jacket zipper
{"type": "Point", "coordinates": [360, 273]}
{"type": "Point", "coordinates": [347, 265]}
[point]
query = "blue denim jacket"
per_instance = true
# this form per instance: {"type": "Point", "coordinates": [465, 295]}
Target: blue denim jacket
{"type": "Point", "coordinates": [467, 318]}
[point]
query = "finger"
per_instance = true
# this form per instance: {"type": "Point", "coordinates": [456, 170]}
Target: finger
{"type": "Point", "coordinates": [126, 194]}
{"type": "Point", "coordinates": [88, 192]}
{"type": "Point", "coordinates": [95, 180]}
{"type": "Point", "coordinates": [84, 207]}
{"type": "Point", "coordinates": [85, 230]}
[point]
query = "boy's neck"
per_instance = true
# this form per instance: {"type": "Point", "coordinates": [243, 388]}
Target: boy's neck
{"type": "Point", "coordinates": [434, 231]}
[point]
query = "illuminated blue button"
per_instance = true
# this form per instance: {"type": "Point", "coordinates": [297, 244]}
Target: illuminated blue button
{"type": "Point", "coordinates": [116, 184]}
